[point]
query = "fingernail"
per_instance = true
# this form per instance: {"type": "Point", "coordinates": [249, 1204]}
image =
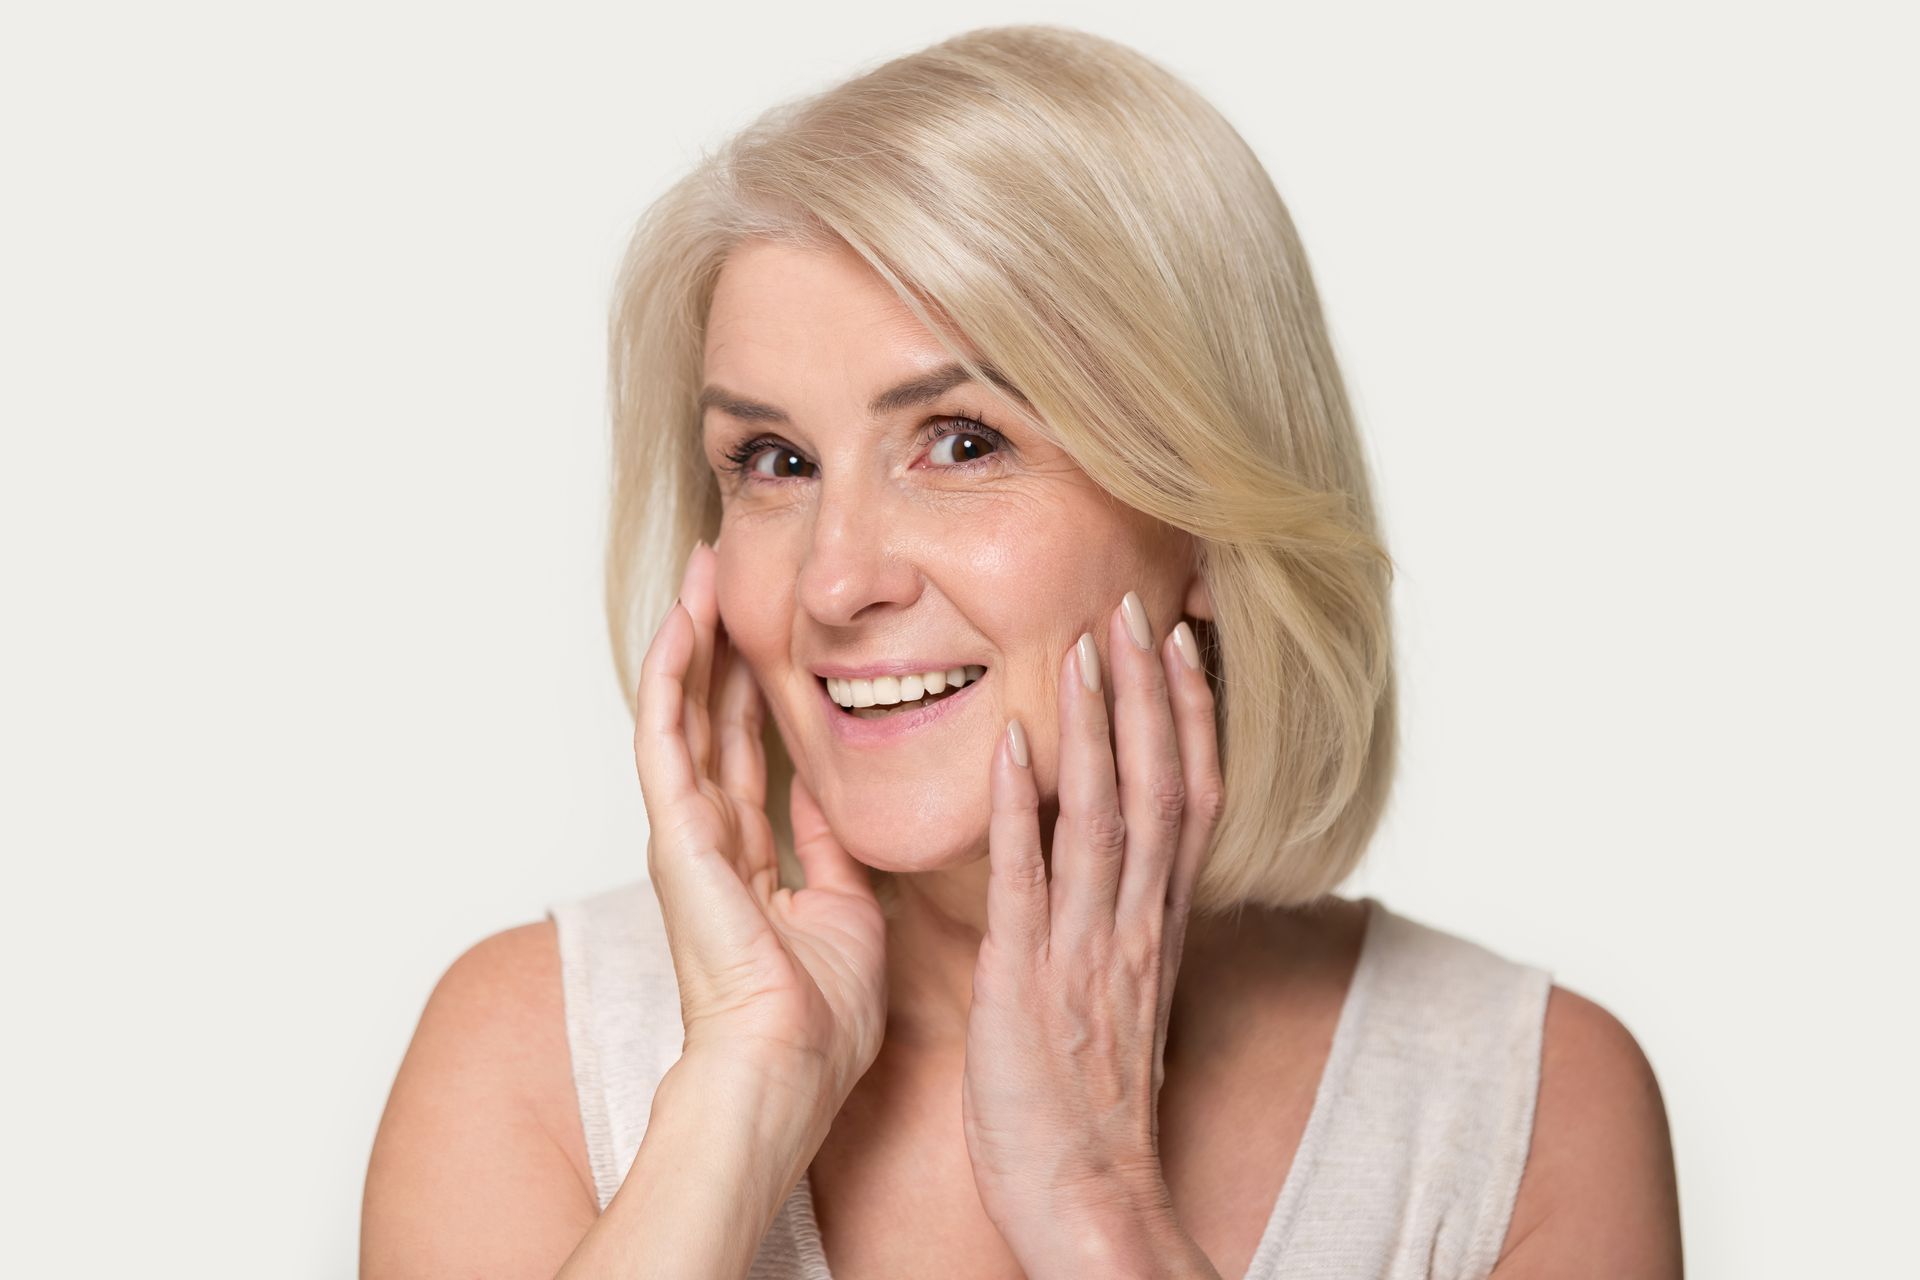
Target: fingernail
{"type": "Point", "coordinates": [1184, 642]}
{"type": "Point", "coordinates": [1136, 619]}
{"type": "Point", "coordinates": [1089, 659]}
{"type": "Point", "coordinates": [1017, 742]}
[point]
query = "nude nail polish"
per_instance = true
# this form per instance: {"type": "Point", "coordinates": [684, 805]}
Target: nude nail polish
{"type": "Point", "coordinates": [1135, 616]}
{"type": "Point", "coordinates": [1017, 743]}
{"type": "Point", "coordinates": [1089, 659]}
{"type": "Point", "coordinates": [1189, 648]}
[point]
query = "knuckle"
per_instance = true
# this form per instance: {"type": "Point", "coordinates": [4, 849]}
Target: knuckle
{"type": "Point", "coordinates": [1209, 800]}
{"type": "Point", "coordinates": [1105, 831]}
{"type": "Point", "coordinates": [1167, 798]}
{"type": "Point", "coordinates": [1025, 874]}
{"type": "Point", "coordinates": [1022, 802]}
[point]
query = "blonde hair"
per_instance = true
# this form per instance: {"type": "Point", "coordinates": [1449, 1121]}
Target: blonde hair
{"type": "Point", "coordinates": [1111, 245]}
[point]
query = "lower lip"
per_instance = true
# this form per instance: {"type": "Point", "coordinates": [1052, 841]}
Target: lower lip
{"type": "Point", "coordinates": [877, 731]}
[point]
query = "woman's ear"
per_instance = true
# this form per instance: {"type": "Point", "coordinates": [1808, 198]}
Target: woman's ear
{"type": "Point", "coordinates": [1199, 601]}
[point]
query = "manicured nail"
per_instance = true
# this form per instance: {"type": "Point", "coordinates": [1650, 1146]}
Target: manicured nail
{"type": "Point", "coordinates": [1136, 619]}
{"type": "Point", "coordinates": [1184, 642]}
{"type": "Point", "coordinates": [1089, 659]}
{"type": "Point", "coordinates": [1017, 742]}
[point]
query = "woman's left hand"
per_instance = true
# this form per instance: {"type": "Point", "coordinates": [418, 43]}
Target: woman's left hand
{"type": "Point", "coordinates": [1074, 983]}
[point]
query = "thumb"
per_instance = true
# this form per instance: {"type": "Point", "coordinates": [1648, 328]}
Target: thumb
{"type": "Point", "coordinates": [828, 865]}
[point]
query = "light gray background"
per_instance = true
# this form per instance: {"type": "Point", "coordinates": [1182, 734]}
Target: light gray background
{"type": "Point", "coordinates": [306, 688]}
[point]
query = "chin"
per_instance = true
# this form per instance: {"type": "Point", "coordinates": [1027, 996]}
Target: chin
{"type": "Point", "coordinates": [908, 856]}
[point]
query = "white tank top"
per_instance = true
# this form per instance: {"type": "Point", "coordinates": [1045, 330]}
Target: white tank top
{"type": "Point", "coordinates": [1408, 1165]}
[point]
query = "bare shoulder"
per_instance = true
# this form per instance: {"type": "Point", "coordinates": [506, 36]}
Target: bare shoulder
{"type": "Point", "coordinates": [480, 1163]}
{"type": "Point", "coordinates": [1597, 1196]}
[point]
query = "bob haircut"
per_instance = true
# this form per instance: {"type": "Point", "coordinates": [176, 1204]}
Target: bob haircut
{"type": "Point", "coordinates": [1110, 244]}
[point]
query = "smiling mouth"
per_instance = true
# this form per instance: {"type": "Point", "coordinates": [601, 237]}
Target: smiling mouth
{"type": "Point", "coordinates": [891, 709]}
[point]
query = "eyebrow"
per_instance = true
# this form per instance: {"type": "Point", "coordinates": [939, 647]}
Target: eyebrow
{"type": "Point", "coordinates": [916, 390]}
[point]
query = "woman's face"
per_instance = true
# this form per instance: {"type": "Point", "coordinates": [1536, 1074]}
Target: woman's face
{"type": "Point", "coordinates": [859, 534]}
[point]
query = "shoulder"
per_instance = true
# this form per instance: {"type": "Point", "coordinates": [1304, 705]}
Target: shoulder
{"type": "Point", "coordinates": [1597, 1195]}
{"type": "Point", "coordinates": [480, 1149]}
{"type": "Point", "coordinates": [499, 1008]}
{"type": "Point", "coordinates": [509, 980]}
{"type": "Point", "coordinates": [501, 1003]}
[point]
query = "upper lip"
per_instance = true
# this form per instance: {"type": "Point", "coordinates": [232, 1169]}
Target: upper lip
{"type": "Point", "coordinates": [868, 670]}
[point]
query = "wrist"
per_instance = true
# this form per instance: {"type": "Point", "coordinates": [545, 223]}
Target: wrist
{"type": "Point", "coordinates": [808, 1074]}
{"type": "Point", "coordinates": [1133, 1236]}
{"type": "Point", "coordinates": [727, 1138]}
{"type": "Point", "coordinates": [779, 1098]}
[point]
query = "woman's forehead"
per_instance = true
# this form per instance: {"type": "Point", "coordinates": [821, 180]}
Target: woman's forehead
{"type": "Point", "coordinates": [811, 314]}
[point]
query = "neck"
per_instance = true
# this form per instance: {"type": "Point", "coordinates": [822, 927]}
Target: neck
{"type": "Point", "coordinates": [933, 944]}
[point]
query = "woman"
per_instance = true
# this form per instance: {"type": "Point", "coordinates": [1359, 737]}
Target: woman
{"type": "Point", "coordinates": [997, 379]}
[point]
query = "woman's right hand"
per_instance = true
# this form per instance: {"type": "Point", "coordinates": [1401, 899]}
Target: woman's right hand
{"type": "Point", "coordinates": [794, 978]}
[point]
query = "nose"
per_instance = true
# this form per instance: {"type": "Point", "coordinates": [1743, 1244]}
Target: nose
{"type": "Point", "coordinates": [857, 561]}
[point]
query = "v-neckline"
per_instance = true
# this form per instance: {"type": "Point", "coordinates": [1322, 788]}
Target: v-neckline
{"type": "Point", "coordinates": [804, 1226]}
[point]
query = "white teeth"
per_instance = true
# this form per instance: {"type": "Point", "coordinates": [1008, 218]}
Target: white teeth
{"type": "Point", "coordinates": [887, 691]}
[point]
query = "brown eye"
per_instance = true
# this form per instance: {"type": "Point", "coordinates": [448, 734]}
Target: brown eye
{"type": "Point", "coordinates": [969, 445]}
{"type": "Point", "coordinates": [784, 462]}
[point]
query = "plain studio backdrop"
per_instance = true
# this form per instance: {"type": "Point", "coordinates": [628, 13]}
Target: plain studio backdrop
{"type": "Point", "coordinates": [306, 685]}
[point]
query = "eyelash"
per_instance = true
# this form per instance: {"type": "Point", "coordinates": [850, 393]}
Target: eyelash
{"type": "Point", "coordinates": [740, 457]}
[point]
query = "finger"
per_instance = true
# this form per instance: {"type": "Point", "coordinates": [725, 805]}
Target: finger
{"type": "Point", "coordinates": [739, 719]}
{"type": "Point", "coordinates": [697, 595]}
{"type": "Point", "coordinates": [659, 740]}
{"type": "Point", "coordinates": [1017, 906]}
{"type": "Point", "coordinates": [1195, 726]}
{"type": "Point", "coordinates": [720, 665]}
{"type": "Point", "coordinates": [826, 862]}
{"type": "Point", "coordinates": [681, 860]}
{"type": "Point", "coordinates": [1152, 787]}
{"type": "Point", "coordinates": [740, 762]}
{"type": "Point", "coordinates": [1090, 837]}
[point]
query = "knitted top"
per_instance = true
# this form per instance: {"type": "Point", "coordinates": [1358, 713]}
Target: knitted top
{"type": "Point", "coordinates": [1408, 1166]}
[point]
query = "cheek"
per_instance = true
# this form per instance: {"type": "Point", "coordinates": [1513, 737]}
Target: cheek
{"type": "Point", "coordinates": [1030, 590]}
{"type": "Point", "coordinates": [1017, 561]}
{"type": "Point", "coordinates": [1035, 585]}
{"type": "Point", "coordinates": [750, 605]}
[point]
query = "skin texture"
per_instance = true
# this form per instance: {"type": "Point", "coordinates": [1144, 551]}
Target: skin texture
{"type": "Point", "coordinates": [882, 555]}
{"type": "Point", "coordinates": [938, 1039]}
{"type": "Point", "coordinates": [480, 1165]}
{"type": "Point", "coordinates": [847, 538]}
